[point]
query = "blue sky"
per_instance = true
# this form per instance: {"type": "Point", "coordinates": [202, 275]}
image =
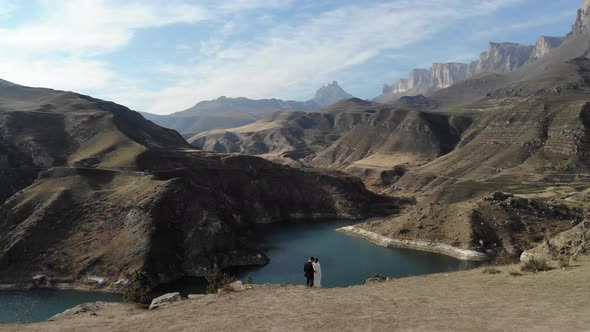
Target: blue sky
{"type": "Point", "coordinates": [163, 56]}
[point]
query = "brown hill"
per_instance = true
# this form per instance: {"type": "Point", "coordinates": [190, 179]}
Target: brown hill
{"type": "Point", "coordinates": [94, 189]}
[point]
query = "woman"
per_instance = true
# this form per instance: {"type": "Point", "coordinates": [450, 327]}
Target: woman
{"type": "Point", "coordinates": [317, 278]}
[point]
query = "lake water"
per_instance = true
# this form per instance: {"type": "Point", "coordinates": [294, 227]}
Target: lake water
{"type": "Point", "coordinates": [345, 261]}
{"type": "Point", "coordinates": [41, 304]}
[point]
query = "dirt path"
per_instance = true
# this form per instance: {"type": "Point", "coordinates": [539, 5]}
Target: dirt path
{"type": "Point", "coordinates": [558, 300]}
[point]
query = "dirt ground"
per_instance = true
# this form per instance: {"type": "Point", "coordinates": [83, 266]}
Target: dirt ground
{"type": "Point", "coordinates": [557, 300]}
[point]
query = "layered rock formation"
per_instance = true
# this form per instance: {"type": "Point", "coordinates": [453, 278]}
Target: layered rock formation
{"type": "Point", "coordinates": [225, 112]}
{"type": "Point", "coordinates": [582, 24]}
{"type": "Point", "coordinates": [499, 58]}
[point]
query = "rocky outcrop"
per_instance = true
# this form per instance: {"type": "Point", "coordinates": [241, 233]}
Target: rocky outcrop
{"type": "Point", "coordinates": [545, 45]}
{"type": "Point", "coordinates": [582, 24]}
{"type": "Point", "coordinates": [499, 58]}
{"type": "Point", "coordinates": [164, 300]}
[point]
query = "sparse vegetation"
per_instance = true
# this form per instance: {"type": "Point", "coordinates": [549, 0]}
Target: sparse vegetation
{"type": "Point", "coordinates": [218, 280]}
{"type": "Point", "coordinates": [534, 264]}
{"type": "Point", "coordinates": [140, 291]}
{"type": "Point", "coordinates": [515, 273]}
{"type": "Point", "coordinates": [563, 262]}
{"type": "Point", "coordinates": [490, 269]}
{"type": "Point", "coordinates": [249, 279]}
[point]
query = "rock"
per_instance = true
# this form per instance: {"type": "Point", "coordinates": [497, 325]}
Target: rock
{"type": "Point", "coordinates": [376, 278]}
{"type": "Point", "coordinates": [236, 286]}
{"type": "Point", "coordinates": [195, 296]}
{"type": "Point", "coordinates": [165, 299]}
{"type": "Point", "coordinates": [39, 280]}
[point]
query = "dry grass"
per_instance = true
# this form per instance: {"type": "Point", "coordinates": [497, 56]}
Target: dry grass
{"type": "Point", "coordinates": [490, 269]}
{"type": "Point", "coordinates": [461, 301]}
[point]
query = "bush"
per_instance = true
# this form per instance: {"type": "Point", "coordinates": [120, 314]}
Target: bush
{"type": "Point", "coordinates": [140, 291]}
{"type": "Point", "coordinates": [249, 279]}
{"type": "Point", "coordinates": [534, 264]}
{"type": "Point", "coordinates": [563, 262]}
{"type": "Point", "coordinates": [490, 269]}
{"type": "Point", "coordinates": [217, 280]}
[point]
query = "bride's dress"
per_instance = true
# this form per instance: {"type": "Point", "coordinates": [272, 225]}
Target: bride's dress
{"type": "Point", "coordinates": [317, 278]}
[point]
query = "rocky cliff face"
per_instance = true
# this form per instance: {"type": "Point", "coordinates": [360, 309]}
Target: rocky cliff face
{"type": "Point", "coordinates": [499, 58]}
{"type": "Point", "coordinates": [545, 45]}
{"type": "Point", "coordinates": [582, 24]}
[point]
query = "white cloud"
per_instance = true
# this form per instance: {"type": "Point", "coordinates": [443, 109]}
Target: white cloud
{"type": "Point", "coordinates": [63, 48]}
{"type": "Point", "coordinates": [291, 57]}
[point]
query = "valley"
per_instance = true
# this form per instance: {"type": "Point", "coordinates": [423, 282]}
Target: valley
{"type": "Point", "coordinates": [428, 205]}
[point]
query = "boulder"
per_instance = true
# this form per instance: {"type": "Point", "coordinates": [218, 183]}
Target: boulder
{"type": "Point", "coordinates": [39, 280]}
{"type": "Point", "coordinates": [165, 299]}
{"type": "Point", "coordinates": [236, 286]}
{"type": "Point", "coordinates": [195, 296]}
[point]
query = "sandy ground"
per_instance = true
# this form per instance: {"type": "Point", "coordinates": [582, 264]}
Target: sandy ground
{"type": "Point", "coordinates": [557, 300]}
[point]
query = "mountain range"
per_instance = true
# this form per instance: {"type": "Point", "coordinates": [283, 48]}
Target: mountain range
{"type": "Point", "coordinates": [515, 121]}
{"type": "Point", "coordinates": [225, 112]}
{"type": "Point", "coordinates": [496, 161]}
{"type": "Point", "coordinates": [499, 58]}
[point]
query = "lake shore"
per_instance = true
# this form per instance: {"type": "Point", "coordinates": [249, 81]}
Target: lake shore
{"type": "Point", "coordinates": [440, 248]}
{"type": "Point", "coordinates": [556, 300]}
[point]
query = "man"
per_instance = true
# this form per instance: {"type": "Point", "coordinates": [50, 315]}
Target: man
{"type": "Point", "coordinates": [308, 270]}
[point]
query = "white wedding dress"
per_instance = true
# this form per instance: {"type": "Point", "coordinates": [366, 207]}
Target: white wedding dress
{"type": "Point", "coordinates": [317, 278]}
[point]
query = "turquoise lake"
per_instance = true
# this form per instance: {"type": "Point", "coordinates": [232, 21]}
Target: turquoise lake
{"type": "Point", "coordinates": [345, 261]}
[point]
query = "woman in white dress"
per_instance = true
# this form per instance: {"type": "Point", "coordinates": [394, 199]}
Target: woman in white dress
{"type": "Point", "coordinates": [317, 278]}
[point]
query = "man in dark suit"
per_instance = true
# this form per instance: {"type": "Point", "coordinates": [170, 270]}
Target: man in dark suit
{"type": "Point", "coordinates": [308, 270]}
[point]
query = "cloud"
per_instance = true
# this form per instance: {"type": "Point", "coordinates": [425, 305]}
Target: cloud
{"type": "Point", "coordinates": [66, 46]}
{"type": "Point", "coordinates": [291, 57]}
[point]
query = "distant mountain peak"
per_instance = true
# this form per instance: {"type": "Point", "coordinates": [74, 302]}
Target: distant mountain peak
{"type": "Point", "coordinates": [329, 94]}
{"type": "Point", "coordinates": [582, 25]}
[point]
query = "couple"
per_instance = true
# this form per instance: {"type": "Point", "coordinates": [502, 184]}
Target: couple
{"type": "Point", "coordinates": [313, 272]}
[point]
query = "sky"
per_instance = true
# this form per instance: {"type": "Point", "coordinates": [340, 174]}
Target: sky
{"type": "Point", "coordinates": [163, 56]}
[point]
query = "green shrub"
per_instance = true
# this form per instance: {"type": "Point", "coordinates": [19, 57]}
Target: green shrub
{"type": "Point", "coordinates": [140, 291]}
{"type": "Point", "coordinates": [218, 280]}
{"type": "Point", "coordinates": [249, 279]}
{"type": "Point", "coordinates": [534, 264]}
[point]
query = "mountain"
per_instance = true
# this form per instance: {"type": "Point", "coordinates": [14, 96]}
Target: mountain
{"type": "Point", "coordinates": [499, 58]}
{"type": "Point", "coordinates": [289, 136]}
{"type": "Point", "coordinates": [225, 112]}
{"type": "Point", "coordinates": [496, 161]}
{"type": "Point", "coordinates": [89, 188]}
{"type": "Point", "coordinates": [329, 94]}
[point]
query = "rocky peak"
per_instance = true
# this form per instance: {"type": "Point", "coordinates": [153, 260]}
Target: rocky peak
{"type": "Point", "coordinates": [545, 44]}
{"type": "Point", "coordinates": [502, 57]}
{"type": "Point", "coordinates": [329, 94]}
{"type": "Point", "coordinates": [582, 25]}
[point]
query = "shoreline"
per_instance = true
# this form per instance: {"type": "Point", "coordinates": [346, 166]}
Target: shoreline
{"type": "Point", "coordinates": [439, 248]}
